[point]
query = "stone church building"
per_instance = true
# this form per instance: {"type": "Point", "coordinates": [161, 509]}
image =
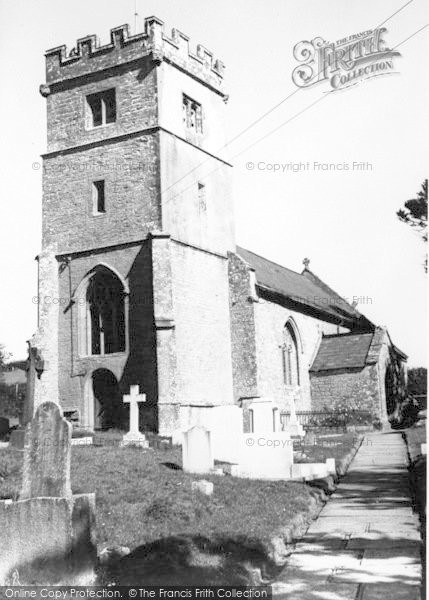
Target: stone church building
{"type": "Point", "coordinates": [153, 289]}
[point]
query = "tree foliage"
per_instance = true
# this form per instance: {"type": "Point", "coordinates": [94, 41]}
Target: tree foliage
{"type": "Point", "coordinates": [3, 356]}
{"type": "Point", "coordinates": [415, 213]}
{"type": "Point", "coordinates": [417, 381]}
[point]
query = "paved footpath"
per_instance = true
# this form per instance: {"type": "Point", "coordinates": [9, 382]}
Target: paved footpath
{"type": "Point", "coordinates": [365, 544]}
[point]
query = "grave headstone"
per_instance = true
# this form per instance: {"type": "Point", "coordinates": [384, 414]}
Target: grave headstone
{"type": "Point", "coordinates": [264, 456]}
{"type": "Point", "coordinates": [330, 465]}
{"type": "Point", "coordinates": [226, 425]}
{"type": "Point", "coordinates": [48, 528]}
{"type": "Point", "coordinates": [302, 471]}
{"type": "Point", "coordinates": [47, 454]}
{"type": "Point", "coordinates": [197, 456]}
{"type": "Point", "coordinates": [134, 437]}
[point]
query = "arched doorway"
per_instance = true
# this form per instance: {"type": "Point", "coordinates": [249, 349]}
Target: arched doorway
{"type": "Point", "coordinates": [107, 406]}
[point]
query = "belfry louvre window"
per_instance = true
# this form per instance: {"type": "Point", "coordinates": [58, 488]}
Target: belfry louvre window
{"type": "Point", "coordinates": [102, 108]}
{"type": "Point", "coordinates": [192, 114]}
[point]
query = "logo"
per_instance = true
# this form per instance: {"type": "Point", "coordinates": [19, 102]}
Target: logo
{"type": "Point", "coordinates": [343, 63]}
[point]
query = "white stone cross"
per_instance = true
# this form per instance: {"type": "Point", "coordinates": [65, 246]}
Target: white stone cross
{"type": "Point", "coordinates": [134, 437]}
{"type": "Point", "coordinates": [134, 397]}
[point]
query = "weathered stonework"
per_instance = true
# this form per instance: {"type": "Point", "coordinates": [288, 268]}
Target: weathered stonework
{"type": "Point", "coordinates": [175, 284]}
{"type": "Point", "coordinates": [47, 449]}
{"type": "Point", "coordinates": [363, 388]}
{"type": "Point", "coordinates": [198, 329]}
{"type": "Point", "coordinates": [242, 297]}
{"type": "Point", "coordinates": [45, 340]}
{"type": "Point", "coordinates": [355, 389]}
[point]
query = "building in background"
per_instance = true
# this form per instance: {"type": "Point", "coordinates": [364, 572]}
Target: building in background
{"type": "Point", "coordinates": [137, 202]}
{"type": "Point", "coordinates": [13, 384]}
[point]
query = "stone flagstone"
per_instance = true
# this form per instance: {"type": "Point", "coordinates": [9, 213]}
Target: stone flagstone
{"type": "Point", "coordinates": [365, 543]}
{"type": "Point", "coordinates": [134, 437]}
{"type": "Point", "coordinates": [47, 454]}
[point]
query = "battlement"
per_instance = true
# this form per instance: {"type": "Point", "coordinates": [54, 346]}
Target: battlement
{"type": "Point", "coordinates": [88, 56]}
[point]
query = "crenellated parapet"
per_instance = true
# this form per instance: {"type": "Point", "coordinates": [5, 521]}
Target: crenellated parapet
{"type": "Point", "coordinates": [88, 56]}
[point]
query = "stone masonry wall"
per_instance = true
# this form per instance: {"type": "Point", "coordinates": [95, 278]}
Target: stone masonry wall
{"type": "Point", "coordinates": [132, 208]}
{"type": "Point", "coordinates": [68, 114]}
{"type": "Point", "coordinates": [137, 365]}
{"type": "Point", "coordinates": [243, 345]}
{"type": "Point", "coordinates": [270, 320]}
{"type": "Point", "coordinates": [356, 389]}
{"type": "Point", "coordinates": [202, 333]}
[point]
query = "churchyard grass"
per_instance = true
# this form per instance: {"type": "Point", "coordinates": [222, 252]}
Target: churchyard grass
{"type": "Point", "coordinates": [143, 495]}
{"type": "Point", "coordinates": [145, 501]}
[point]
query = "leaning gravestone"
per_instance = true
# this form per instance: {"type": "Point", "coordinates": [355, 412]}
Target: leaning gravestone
{"type": "Point", "coordinates": [197, 456]}
{"type": "Point", "coordinates": [47, 454]}
{"type": "Point", "coordinates": [48, 533]}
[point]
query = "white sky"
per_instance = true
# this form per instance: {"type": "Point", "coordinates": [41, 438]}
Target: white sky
{"type": "Point", "coordinates": [344, 222]}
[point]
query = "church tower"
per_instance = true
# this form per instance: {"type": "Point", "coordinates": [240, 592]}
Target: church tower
{"type": "Point", "coordinates": [137, 201]}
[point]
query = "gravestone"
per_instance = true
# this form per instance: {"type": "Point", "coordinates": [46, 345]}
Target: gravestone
{"type": "Point", "coordinates": [47, 454]}
{"type": "Point", "coordinates": [264, 456]}
{"type": "Point", "coordinates": [330, 465]}
{"type": "Point", "coordinates": [302, 471]}
{"type": "Point", "coordinates": [48, 531]}
{"type": "Point", "coordinates": [134, 437]}
{"type": "Point", "coordinates": [197, 456]}
{"type": "Point", "coordinates": [226, 426]}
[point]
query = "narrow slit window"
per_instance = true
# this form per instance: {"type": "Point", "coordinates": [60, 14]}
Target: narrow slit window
{"type": "Point", "coordinates": [202, 200]}
{"type": "Point", "coordinates": [98, 198]}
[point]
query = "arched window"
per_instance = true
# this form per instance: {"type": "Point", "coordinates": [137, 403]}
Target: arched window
{"type": "Point", "coordinates": [290, 356]}
{"type": "Point", "coordinates": [102, 314]}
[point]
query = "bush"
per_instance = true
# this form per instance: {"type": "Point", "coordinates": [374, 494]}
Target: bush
{"type": "Point", "coordinates": [343, 417]}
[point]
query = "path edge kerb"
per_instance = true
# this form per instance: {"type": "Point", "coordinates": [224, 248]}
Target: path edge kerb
{"type": "Point", "coordinates": [281, 544]}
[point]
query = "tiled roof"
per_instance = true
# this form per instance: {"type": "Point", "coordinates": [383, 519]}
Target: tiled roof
{"type": "Point", "coordinates": [344, 351]}
{"type": "Point", "coordinates": [305, 289]}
